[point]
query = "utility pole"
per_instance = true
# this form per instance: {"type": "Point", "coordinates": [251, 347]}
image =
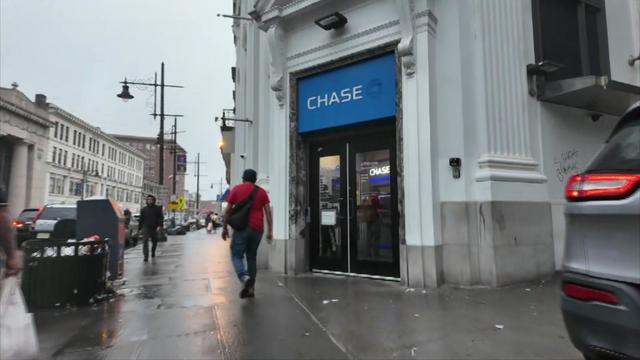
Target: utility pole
{"type": "Point", "coordinates": [174, 138]}
{"type": "Point", "coordinates": [198, 175]}
{"type": "Point", "coordinates": [198, 184]}
{"type": "Point", "coordinates": [161, 167]}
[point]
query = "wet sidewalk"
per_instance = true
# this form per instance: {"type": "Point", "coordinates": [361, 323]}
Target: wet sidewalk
{"type": "Point", "coordinates": [184, 305]}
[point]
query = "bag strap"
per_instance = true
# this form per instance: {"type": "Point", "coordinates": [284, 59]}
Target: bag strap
{"type": "Point", "coordinates": [253, 193]}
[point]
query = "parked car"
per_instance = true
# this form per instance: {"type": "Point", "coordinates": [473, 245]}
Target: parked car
{"type": "Point", "coordinates": [23, 224]}
{"type": "Point", "coordinates": [132, 235]}
{"type": "Point", "coordinates": [601, 280]}
{"type": "Point", "coordinates": [49, 215]}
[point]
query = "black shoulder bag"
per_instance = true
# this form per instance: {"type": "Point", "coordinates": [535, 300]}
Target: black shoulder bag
{"type": "Point", "coordinates": [239, 217]}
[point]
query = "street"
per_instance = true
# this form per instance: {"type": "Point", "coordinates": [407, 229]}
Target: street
{"type": "Point", "coordinates": [184, 305]}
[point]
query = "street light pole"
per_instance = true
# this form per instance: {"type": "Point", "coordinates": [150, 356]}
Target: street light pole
{"type": "Point", "coordinates": [161, 145]}
{"type": "Point", "coordinates": [125, 95]}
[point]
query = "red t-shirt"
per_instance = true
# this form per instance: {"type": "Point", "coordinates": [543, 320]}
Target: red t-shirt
{"type": "Point", "coordinates": [260, 199]}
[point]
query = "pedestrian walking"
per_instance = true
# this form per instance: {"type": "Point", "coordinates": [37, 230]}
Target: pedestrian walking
{"type": "Point", "coordinates": [248, 203]}
{"type": "Point", "coordinates": [151, 222]}
{"type": "Point", "coordinates": [13, 262]}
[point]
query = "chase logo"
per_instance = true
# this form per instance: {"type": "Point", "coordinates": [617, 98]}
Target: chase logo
{"type": "Point", "coordinates": [350, 94]}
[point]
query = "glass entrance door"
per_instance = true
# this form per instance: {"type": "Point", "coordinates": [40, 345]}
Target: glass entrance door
{"type": "Point", "coordinates": [354, 222]}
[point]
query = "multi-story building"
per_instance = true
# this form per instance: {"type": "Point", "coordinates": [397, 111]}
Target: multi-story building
{"type": "Point", "coordinates": [24, 141]}
{"type": "Point", "coordinates": [149, 147]}
{"type": "Point", "coordinates": [85, 162]}
{"type": "Point", "coordinates": [427, 141]}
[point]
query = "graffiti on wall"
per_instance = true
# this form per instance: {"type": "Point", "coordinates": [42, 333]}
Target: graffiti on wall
{"type": "Point", "coordinates": [566, 164]}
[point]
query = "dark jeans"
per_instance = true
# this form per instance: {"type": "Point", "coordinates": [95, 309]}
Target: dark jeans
{"type": "Point", "coordinates": [245, 243]}
{"type": "Point", "coordinates": [146, 235]}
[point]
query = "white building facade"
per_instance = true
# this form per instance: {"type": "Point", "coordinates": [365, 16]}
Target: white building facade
{"type": "Point", "coordinates": [427, 141]}
{"type": "Point", "coordinates": [85, 162]}
{"type": "Point", "coordinates": [24, 138]}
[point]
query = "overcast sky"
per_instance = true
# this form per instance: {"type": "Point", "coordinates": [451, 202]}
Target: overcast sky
{"type": "Point", "coordinates": [76, 52]}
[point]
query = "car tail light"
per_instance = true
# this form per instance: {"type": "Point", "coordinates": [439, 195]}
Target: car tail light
{"type": "Point", "coordinates": [17, 223]}
{"type": "Point", "coordinates": [601, 186]}
{"type": "Point", "coordinates": [584, 293]}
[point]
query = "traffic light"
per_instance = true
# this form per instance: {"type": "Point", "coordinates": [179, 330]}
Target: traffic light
{"type": "Point", "coordinates": [158, 139]}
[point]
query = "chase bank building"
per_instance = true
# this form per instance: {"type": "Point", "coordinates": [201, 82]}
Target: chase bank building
{"type": "Point", "coordinates": [426, 142]}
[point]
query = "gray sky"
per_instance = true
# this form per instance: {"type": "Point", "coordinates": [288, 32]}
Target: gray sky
{"type": "Point", "coordinates": [76, 52]}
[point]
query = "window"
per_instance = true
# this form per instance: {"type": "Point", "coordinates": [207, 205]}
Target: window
{"type": "Point", "coordinates": [56, 186]}
{"type": "Point", "coordinates": [65, 157]}
{"type": "Point", "coordinates": [572, 33]}
{"type": "Point", "coordinates": [53, 158]}
{"type": "Point", "coordinates": [75, 137]}
{"type": "Point", "coordinates": [84, 140]}
{"type": "Point", "coordinates": [60, 153]}
{"type": "Point", "coordinates": [73, 161]}
{"type": "Point", "coordinates": [75, 187]}
{"type": "Point", "coordinates": [66, 134]}
{"type": "Point", "coordinates": [622, 151]}
{"type": "Point", "coordinates": [55, 130]}
{"type": "Point", "coordinates": [102, 170]}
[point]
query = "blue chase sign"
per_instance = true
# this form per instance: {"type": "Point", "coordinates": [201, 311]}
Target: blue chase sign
{"type": "Point", "coordinates": [350, 94]}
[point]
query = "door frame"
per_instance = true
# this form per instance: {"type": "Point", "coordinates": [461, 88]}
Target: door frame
{"type": "Point", "coordinates": [365, 136]}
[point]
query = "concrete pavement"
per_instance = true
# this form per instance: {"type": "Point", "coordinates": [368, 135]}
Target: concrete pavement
{"type": "Point", "coordinates": [184, 305]}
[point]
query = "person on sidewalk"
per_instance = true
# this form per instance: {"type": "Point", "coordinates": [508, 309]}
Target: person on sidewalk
{"type": "Point", "coordinates": [245, 242]}
{"type": "Point", "coordinates": [13, 261]}
{"type": "Point", "coordinates": [151, 222]}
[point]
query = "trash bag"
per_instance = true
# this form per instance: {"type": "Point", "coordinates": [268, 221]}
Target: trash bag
{"type": "Point", "coordinates": [19, 339]}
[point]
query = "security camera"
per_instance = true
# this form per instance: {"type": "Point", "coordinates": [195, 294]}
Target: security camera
{"type": "Point", "coordinates": [243, 156]}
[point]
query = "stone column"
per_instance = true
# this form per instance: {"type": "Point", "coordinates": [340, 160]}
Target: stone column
{"type": "Point", "coordinates": [507, 139]}
{"type": "Point", "coordinates": [18, 178]}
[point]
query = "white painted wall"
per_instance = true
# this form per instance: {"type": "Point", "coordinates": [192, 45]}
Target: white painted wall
{"type": "Point", "coordinates": [623, 28]}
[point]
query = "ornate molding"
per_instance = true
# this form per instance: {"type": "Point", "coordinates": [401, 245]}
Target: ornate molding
{"type": "Point", "coordinates": [430, 25]}
{"type": "Point", "coordinates": [507, 168]}
{"type": "Point", "coordinates": [407, 30]}
{"type": "Point", "coordinates": [275, 40]}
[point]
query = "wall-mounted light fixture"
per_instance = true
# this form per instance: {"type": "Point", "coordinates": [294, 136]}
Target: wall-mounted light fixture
{"type": "Point", "coordinates": [539, 70]}
{"type": "Point", "coordinates": [332, 22]}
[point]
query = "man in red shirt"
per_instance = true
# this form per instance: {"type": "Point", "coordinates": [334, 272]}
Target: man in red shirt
{"type": "Point", "coordinates": [245, 242]}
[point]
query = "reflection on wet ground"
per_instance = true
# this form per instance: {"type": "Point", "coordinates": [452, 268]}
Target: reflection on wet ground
{"type": "Point", "coordinates": [184, 305]}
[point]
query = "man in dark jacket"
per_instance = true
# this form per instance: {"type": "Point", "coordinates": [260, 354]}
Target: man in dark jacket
{"type": "Point", "coordinates": [151, 222]}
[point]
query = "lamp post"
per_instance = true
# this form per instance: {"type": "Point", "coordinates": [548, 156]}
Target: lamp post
{"type": "Point", "coordinates": [126, 96]}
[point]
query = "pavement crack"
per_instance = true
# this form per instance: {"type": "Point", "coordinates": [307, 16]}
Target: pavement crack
{"type": "Point", "coordinates": [222, 342]}
{"type": "Point", "coordinates": [335, 341]}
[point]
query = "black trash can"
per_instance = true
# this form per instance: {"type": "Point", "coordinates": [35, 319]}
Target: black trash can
{"type": "Point", "coordinates": [60, 273]}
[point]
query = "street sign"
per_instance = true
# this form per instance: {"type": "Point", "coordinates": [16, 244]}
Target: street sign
{"type": "Point", "coordinates": [173, 205]}
{"type": "Point", "coordinates": [182, 202]}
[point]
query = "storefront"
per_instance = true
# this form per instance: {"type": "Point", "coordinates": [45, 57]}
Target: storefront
{"type": "Point", "coordinates": [346, 119]}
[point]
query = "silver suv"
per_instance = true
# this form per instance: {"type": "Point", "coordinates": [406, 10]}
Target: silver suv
{"type": "Point", "coordinates": [601, 280]}
{"type": "Point", "coordinates": [45, 221]}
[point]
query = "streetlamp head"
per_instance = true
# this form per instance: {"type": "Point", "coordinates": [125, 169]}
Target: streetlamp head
{"type": "Point", "coordinates": [125, 95]}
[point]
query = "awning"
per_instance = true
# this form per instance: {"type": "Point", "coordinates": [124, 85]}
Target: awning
{"type": "Point", "coordinates": [593, 93]}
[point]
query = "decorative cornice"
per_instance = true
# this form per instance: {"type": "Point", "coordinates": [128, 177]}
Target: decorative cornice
{"type": "Point", "coordinates": [364, 33]}
{"type": "Point", "coordinates": [25, 113]}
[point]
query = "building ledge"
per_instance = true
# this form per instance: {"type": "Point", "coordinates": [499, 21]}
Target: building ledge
{"type": "Point", "coordinates": [597, 94]}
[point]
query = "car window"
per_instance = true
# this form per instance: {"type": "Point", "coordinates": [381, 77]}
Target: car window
{"type": "Point", "coordinates": [56, 213]}
{"type": "Point", "coordinates": [621, 153]}
{"type": "Point", "coordinates": [27, 215]}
